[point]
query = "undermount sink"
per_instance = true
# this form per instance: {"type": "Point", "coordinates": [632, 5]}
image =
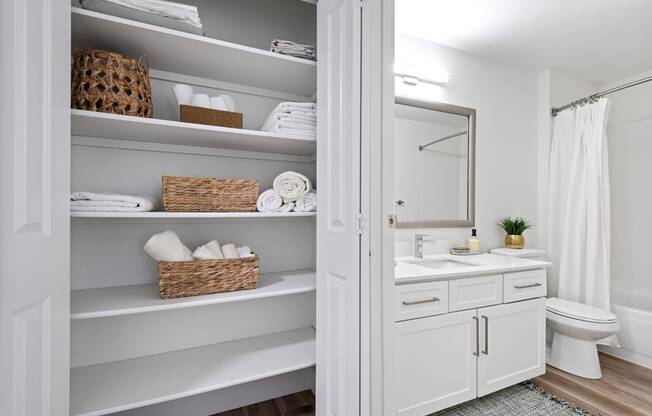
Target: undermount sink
{"type": "Point", "coordinates": [441, 264]}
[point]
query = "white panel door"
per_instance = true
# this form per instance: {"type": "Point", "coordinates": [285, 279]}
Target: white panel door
{"type": "Point", "coordinates": [512, 344]}
{"type": "Point", "coordinates": [435, 362]}
{"type": "Point", "coordinates": [34, 219]}
{"type": "Point", "coordinates": [338, 236]}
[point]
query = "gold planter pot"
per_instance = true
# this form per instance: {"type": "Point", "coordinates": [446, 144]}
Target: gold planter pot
{"type": "Point", "coordinates": [514, 241]}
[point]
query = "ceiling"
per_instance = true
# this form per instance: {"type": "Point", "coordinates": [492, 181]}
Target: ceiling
{"type": "Point", "coordinates": [596, 40]}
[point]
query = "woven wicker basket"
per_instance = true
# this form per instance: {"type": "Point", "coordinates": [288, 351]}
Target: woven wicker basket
{"type": "Point", "coordinates": [189, 194]}
{"type": "Point", "coordinates": [203, 277]}
{"type": "Point", "coordinates": [110, 83]}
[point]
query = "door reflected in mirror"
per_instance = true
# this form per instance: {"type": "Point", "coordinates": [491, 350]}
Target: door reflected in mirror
{"type": "Point", "coordinates": [434, 148]}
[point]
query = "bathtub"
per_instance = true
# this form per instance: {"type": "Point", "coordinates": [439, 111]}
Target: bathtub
{"type": "Point", "coordinates": [634, 310]}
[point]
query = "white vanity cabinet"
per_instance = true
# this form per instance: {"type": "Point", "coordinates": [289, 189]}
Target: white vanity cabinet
{"type": "Point", "coordinates": [484, 342]}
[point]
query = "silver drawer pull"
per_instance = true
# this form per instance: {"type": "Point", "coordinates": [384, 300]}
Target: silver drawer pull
{"type": "Point", "coordinates": [417, 302]}
{"type": "Point", "coordinates": [528, 286]}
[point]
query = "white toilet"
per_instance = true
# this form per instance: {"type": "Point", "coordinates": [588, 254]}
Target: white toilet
{"type": "Point", "coordinates": [576, 328]}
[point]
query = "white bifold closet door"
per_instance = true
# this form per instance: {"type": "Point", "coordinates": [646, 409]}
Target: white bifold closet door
{"type": "Point", "coordinates": [34, 201]}
{"type": "Point", "coordinates": [338, 227]}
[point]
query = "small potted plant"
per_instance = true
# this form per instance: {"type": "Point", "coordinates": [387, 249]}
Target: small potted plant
{"type": "Point", "coordinates": [514, 228]}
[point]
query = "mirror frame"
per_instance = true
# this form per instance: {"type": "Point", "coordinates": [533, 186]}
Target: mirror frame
{"type": "Point", "coordinates": [470, 209]}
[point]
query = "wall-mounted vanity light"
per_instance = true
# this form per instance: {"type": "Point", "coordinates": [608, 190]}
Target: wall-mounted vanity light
{"type": "Point", "coordinates": [413, 75]}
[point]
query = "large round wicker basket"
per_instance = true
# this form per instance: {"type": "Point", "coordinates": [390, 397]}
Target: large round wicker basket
{"type": "Point", "coordinates": [111, 83]}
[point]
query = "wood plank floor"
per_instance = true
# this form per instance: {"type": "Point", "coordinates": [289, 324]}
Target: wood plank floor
{"type": "Point", "coordinates": [298, 404]}
{"type": "Point", "coordinates": [624, 390]}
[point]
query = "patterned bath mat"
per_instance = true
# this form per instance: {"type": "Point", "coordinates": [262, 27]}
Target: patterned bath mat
{"type": "Point", "coordinates": [526, 399]}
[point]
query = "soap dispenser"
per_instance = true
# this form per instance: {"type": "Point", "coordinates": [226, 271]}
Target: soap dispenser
{"type": "Point", "coordinates": [474, 242]}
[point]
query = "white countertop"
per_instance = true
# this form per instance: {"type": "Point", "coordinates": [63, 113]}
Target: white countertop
{"type": "Point", "coordinates": [481, 264]}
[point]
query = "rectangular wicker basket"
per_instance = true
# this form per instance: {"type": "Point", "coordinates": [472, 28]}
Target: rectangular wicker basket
{"type": "Point", "coordinates": [203, 277]}
{"type": "Point", "coordinates": [200, 115]}
{"type": "Point", "coordinates": [189, 194]}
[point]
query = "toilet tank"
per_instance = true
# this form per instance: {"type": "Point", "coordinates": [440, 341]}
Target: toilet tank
{"type": "Point", "coordinates": [527, 253]}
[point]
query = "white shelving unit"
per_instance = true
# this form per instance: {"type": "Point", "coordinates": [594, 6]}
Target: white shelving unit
{"type": "Point", "coordinates": [126, 300]}
{"type": "Point", "coordinates": [116, 302]}
{"type": "Point", "coordinates": [122, 385]}
{"type": "Point", "coordinates": [191, 215]}
{"type": "Point", "coordinates": [113, 126]}
{"type": "Point", "coordinates": [195, 55]}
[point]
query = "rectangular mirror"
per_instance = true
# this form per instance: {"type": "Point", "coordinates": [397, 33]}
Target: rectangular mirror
{"type": "Point", "coordinates": [434, 164]}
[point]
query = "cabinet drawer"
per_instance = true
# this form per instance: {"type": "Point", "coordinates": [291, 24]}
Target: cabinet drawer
{"type": "Point", "coordinates": [420, 299]}
{"type": "Point", "coordinates": [475, 292]}
{"type": "Point", "coordinates": [529, 284]}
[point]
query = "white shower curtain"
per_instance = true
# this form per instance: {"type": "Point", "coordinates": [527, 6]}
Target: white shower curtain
{"type": "Point", "coordinates": [579, 204]}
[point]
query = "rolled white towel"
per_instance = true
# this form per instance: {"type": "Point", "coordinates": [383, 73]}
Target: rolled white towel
{"type": "Point", "coordinates": [230, 251]}
{"type": "Point", "coordinates": [269, 201]}
{"type": "Point", "coordinates": [287, 207]}
{"type": "Point", "coordinates": [209, 251]}
{"type": "Point", "coordinates": [306, 203]}
{"type": "Point", "coordinates": [292, 186]}
{"type": "Point", "coordinates": [244, 251]}
{"type": "Point", "coordinates": [166, 246]}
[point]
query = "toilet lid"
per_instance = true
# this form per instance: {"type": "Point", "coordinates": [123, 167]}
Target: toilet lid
{"type": "Point", "coordinates": [579, 311]}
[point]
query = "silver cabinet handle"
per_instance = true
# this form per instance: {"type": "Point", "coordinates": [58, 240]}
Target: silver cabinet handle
{"type": "Point", "coordinates": [477, 336]}
{"type": "Point", "coordinates": [527, 286]}
{"type": "Point", "coordinates": [417, 302]}
{"type": "Point", "coordinates": [486, 335]}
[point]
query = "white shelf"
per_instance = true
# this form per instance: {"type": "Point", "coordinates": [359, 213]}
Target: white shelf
{"type": "Point", "coordinates": [115, 126]}
{"type": "Point", "coordinates": [126, 300]}
{"type": "Point", "coordinates": [199, 56]}
{"type": "Point", "coordinates": [107, 388]}
{"type": "Point", "coordinates": [190, 215]}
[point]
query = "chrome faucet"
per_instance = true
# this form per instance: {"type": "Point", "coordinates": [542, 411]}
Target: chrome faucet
{"type": "Point", "coordinates": [418, 244]}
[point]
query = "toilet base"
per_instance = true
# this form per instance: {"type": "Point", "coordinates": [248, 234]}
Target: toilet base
{"type": "Point", "coordinates": [575, 356]}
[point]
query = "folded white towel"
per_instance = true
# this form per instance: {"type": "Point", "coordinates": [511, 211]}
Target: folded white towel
{"type": "Point", "coordinates": [299, 134]}
{"type": "Point", "coordinates": [166, 246]}
{"type": "Point", "coordinates": [163, 8]}
{"type": "Point", "coordinates": [292, 48]}
{"type": "Point", "coordinates": [209, 251]}
{"type": "Point", "coordinates": [286, 118]}
{"type": "Point", "coordinates": [295, 119]}
{"type": "Point", "coordinates": [91, 201]}
{"type": "Point", "coordinates": [306, 203]}
{"type": "Point", "coordinates": [269, 201]}
{"type": "Point", "coordinates": [292, 186]}
{"type": "Point", "coordinates": [230, 251]}
{"type": "Point", "coordinates": [244, 251]}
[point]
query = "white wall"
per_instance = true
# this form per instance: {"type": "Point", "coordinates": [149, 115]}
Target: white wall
{"type": "Point", "coordinates": [506, 104]}
{"type": "Point", "coordinates": [629, 133]}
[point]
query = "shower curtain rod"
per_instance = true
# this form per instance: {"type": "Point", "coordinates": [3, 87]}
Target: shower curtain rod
{"type": "Point", "coordinates": [597, 95]}
{"type": "Point", "coordinates": [423, 146]}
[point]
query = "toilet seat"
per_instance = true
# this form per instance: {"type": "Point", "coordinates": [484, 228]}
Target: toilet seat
{"type": "Point", "coordinates": [580, 312]}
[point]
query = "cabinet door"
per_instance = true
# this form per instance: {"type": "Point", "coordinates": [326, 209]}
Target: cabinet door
{"type": "Point", "coordinates": [512, 344]}
{"type": "Point", "coordinates": [435, 362]}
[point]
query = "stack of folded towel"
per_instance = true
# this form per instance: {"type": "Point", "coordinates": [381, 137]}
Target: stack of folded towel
{"type": "Point", "coordinates": [97, 202]}
{"type": "Point", "coordinates": [166, 246]}
{"type": "Point", "coordinates": [293, 119]}
{"type": "Point", "coordinates": [287, 47]}
{"type": "Point", "coordinates": [162, 13]}
{"type": "Point", "coordinates": [291, 191]}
